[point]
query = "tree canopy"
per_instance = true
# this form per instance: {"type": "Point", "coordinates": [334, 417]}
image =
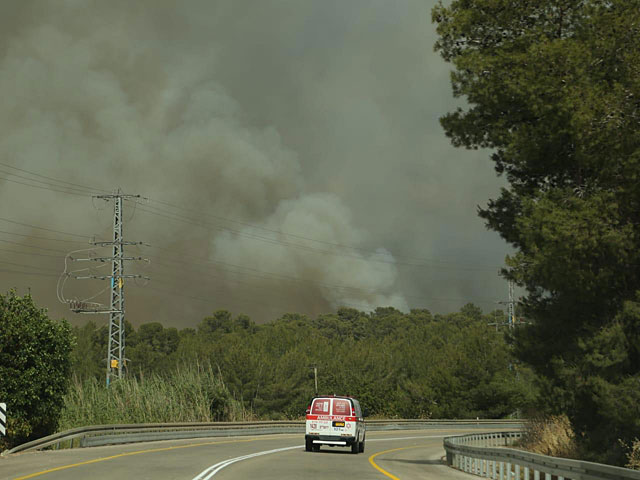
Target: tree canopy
{"type": "Point", "coordinates": [398, 364]}
{"type": "Point", "coordinates": [35, 363]}
{"type": "Point", "coordinates": [553, 90]}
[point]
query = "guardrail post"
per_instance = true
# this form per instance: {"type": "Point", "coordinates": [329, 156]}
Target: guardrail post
{"type": "Point", "coordinates": [508, 470]}
{"type": "Point", "coordinates": [494, 474]}
{"type": "Point", "coordinates": [501, 470]}
{"type": "Point", "coordinates": [526, 473]}
{"type": "Point", "coordinates": [536, 475]}
{"type": "Point", "coordinates": [517, 471]}
{"type": "Point", "coordinates": [547, 476]}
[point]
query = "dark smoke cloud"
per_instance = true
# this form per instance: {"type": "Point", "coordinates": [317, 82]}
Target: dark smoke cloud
{"type": "Point", "coordinates": [317, 119]}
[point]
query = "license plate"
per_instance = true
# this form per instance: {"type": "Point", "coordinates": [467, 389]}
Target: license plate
{"type": "Point", "coordinates": [338, 424]}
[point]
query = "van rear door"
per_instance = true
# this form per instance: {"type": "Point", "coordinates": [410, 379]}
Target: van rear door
{"type": "Point", "coordinates": [332, 416]}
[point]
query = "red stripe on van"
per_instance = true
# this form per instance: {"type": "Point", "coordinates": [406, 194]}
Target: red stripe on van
{"type": "Point", "coordinates": [332, 417]}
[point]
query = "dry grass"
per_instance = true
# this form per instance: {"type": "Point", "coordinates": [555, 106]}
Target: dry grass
{"type": "Point", "coordinates": [633, 456]}
{"type": "Point", "coordinates": [552, 435]}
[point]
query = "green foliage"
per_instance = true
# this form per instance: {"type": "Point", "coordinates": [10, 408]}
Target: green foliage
{"type": "Point", "coordinates": [35, 363]}
{"type": "Point", "coordinates": [553, 90]}
{"type": "Point", "coordinates": [398, 365]}
{"type": "Point", "coordinates": [187, 393]}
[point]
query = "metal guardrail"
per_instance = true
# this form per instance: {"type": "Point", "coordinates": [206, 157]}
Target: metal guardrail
{"type": "Point", "coordinates": [96, 435]}
{"type": "Point", "coordinates": [485, 455]}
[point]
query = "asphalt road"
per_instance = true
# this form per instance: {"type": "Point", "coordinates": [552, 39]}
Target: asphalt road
{"type": "Point", "coordinates": [403, 455]}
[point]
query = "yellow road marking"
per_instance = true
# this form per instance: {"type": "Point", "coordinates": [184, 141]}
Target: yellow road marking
{"type": "Point", "coordinates": [138, 452]}
{"type": "Point", "coordinates": [384, 472]}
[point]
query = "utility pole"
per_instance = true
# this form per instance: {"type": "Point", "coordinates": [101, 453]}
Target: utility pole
{"type": "Point", "coordinates": [315, 377]}
{"type": "Point", "coordinates": [116, 344]}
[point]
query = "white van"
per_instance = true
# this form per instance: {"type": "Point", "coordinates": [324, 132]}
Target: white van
{"type": "Point", "coordinates": [336, 422]}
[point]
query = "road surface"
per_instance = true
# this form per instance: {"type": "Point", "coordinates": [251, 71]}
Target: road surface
{"type": "Point", "coordinates": [403, 455]}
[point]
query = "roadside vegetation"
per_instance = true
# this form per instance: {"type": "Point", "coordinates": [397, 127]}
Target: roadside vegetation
{"type": "Point", "coordinates": [187, 393]}
{"type": "Point", "coordinates": [550, 435]}
{"type": "Point", "coordinates": [35, 365]}
{"type": "Point", "coordinates": [414, 365]}
{"type": "Point", "coordinates": [550, 89]}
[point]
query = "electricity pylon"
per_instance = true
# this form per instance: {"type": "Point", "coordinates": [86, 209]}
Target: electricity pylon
{"type": "Point", "coordinates": [511, 310]}
{"type": "Point", "coordinates": [116, 345]}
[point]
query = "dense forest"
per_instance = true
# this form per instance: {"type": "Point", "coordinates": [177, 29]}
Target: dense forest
{"type": "Point", "coordinates": [414, 365]}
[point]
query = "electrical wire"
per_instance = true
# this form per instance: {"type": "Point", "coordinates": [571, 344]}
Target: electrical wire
{"type": "Point", "coordinates": [30, 253]}
{"type": "Point", "coordinates": [40, 238]}
{"type": "Point", "coordinates": [43, 187]}
{"type": "Point", "coordinates": [26, 266]}
{"type": "Point", "coordinates": [433, 263]}
{"type": "Point", "coordinates": [207, 225]}
{"type": "Point", "coordinates": [44, 228]}
{"type": "Point", "coordinates": [47, 184]}
{"type": "Point", "coordinates": [370, 251]}
{"type": "Point", "coordinates": [346, 290]}
{"type": "Point", "coordinates": [84, 187]}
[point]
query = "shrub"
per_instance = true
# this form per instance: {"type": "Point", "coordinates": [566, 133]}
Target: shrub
{"type": "Point", "coordinates": [550, 435]}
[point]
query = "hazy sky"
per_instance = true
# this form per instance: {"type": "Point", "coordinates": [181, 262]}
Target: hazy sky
{"type": "Point", "coordinates": [300, 140]}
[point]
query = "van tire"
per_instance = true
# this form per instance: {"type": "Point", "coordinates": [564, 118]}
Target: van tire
{"type": "Point", "coordinates": [315, 448]}
{"type": "Point", "coordinates": [361, 449]}
{"type": "Point", "coordinates": [308, 445]}
{"type": "Point", "coordinates": [355, 447]}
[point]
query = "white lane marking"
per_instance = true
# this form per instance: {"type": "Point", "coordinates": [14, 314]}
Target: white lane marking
{"type": "Point", "coordinates": [213, 469]}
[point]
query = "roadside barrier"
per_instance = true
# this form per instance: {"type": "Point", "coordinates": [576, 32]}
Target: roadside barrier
{"type": "Point", "coordinates": [486, 455]}
{"type": "Point", "coordinates": [96, 435]}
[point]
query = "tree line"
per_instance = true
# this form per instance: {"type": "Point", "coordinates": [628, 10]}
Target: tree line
{"type": "Point", "coordinates": [408, 365]}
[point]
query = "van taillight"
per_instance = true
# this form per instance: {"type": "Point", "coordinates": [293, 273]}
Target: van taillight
{"type": "Point", "coordinates": [353, 412]}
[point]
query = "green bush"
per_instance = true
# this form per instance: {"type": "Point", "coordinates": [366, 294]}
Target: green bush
{"type": "Point", "coordinates": [35, 364]}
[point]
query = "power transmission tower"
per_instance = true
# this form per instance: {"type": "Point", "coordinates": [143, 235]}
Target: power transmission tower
{"type": "Point", "coordinates": [116, 344]}
{"type": "Point", "coordinates": [511, 309]}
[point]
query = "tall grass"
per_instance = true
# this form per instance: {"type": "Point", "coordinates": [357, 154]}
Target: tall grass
{"type": "Point", "coordinates": [190, 393]}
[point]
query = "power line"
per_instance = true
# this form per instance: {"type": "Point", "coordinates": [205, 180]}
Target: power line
{"type": "Point", "coordinates": [84, 187]}
{"type": "Point", "coordinates": [442, 264]}
{"type": "Point", "coordinates": [26, 266]}
{"type": "Point", "coordinates": [279, 277]}
{"type": "Point", "coordinates": [248, 271]}
{"type": "Point", "coordinates": [44, 228]}
{"type": "Point", "coordinates": [369, 250]}
{"type": "Point", "coordinates": [40, 238]}
{"type": "Point", "coordinates": [39, 274]}
{"type": "Point", "coordinates": [29, 253]}
{"type": "Point", "coordinates": [272, 241]}
{"type": "Point", "coordinates": [32, 246]}
{"type": "Point", "coordinates": [47, 184]}
{"type": "Point", "coordinates": [43, 187]}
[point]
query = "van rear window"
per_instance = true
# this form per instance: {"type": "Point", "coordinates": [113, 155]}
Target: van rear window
{"type": "Point", "coordinates": [341, 407]}
{"type": "Point", "coordinates": [320, 406]}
